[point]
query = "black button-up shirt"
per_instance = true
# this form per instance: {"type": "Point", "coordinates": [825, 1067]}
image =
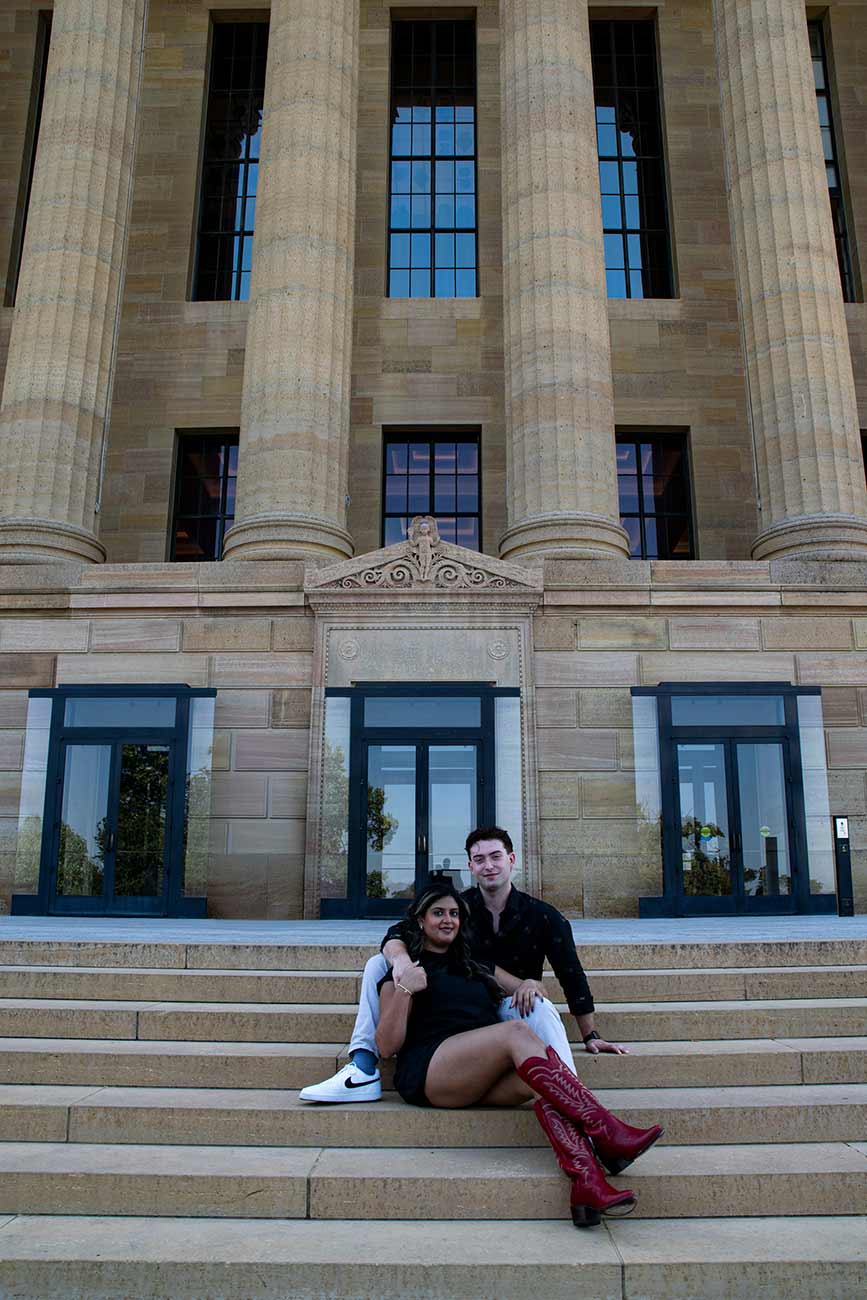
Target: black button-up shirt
{"type": "Point", "coordinates": [530, 933]}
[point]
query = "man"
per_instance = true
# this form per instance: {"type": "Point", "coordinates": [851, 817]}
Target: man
{"type": "Point", "coordinates": [513, 931]}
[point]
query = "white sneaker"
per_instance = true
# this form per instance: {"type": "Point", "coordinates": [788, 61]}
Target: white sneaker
{"type": "Point", "coordinates": [348, 1084]}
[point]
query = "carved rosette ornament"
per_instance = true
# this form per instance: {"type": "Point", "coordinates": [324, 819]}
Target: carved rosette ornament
{"type": "Point", "coordinates": [424, 562]}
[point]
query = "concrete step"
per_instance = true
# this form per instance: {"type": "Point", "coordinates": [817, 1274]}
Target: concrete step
{"type": "Point", "coordinates": [270, 956]}
{"type": "Point", "coordinates": [447, 1184]}
{"type": "Point", "coordinates": [119, 983]}
{"type": "Point", "coordinates": [671, 1182]}
{"type": "Point", "coordinates": [275, 1117]}
{"type": "Point", "coordinates": [148, 985]}
{"type": "Point", "coordinates": [329, 1022]}
{"type": "Point", "coordinates": [101, 1258]}
{"type": "Point", "coordinates": [156, 1064]}
{"type": "Point", "coordinates": [226, 1182]}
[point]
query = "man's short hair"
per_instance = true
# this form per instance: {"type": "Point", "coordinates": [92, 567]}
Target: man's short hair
{"type": "Point", "coordinates": [489, 833]}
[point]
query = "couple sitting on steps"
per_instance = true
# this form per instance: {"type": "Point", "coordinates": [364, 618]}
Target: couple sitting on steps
{"type": "Point", "coordinates": [456, 995]}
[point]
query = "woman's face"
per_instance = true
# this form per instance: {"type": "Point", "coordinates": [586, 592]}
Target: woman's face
{"type": "Point", "coordinates": [440, 923]}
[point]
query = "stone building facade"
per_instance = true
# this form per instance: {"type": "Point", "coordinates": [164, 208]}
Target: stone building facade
{"type": "Point", "coordinates": [306, 724]}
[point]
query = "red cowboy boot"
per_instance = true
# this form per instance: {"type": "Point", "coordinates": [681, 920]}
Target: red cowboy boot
{"type": "Point", "coordinates": [591, 1196]}
{"type": "Point", "coordinates": [615, 1143]}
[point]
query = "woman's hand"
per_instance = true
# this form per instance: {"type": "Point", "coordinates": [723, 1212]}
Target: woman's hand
{"type": "Point", "coordinates": [525, 995]}
{"type": "Point", "coordinates": [413, 977]}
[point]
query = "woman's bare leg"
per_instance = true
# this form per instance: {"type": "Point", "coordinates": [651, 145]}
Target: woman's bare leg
{"type": "Point", "coordinates": [468, 1066]}
{"type": "Point", "coordinates": [508, 1091]}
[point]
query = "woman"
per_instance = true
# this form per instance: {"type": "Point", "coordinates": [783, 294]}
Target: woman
{"type": "Point", "coordinates": [441, 1021]}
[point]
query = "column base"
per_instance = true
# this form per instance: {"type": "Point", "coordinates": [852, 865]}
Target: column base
{"type": "Point", "coordinates": [565, 535]}
{"type": "Point", "coordinates": [813, 537]}
{"type": "Point", "coordinates": [38, 541]}
{"type": "Point", "coordinates": [279, 536]}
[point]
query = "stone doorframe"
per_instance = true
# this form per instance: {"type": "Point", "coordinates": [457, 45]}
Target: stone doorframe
{"type": "Point", "coordinates": [422, 610]}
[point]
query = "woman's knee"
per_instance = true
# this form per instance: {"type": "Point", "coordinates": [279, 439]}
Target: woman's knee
{"type": "Point", "coordinates": [518, 1031]}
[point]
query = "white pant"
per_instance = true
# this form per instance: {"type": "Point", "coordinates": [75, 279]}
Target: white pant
{"type": "Point", "coordinates": [544, 1018]}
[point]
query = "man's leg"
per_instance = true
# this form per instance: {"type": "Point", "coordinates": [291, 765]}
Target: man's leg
{"type": "Point", "coordinates": [358, 1081]}
{"type": "Point", "coordinates": [545, 1020]}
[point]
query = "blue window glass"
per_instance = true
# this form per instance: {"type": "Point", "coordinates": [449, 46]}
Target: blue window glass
{"type": "Point", "coordinates": [438, 477]}
{"type": "Point", "coordinates": [433, 159]}
{"type": "Point", "coordinates": [631, 163]}
{"type": "Point", "coordinates": [207, 469]}
{"type": "Point", "coordinates": [230, 161]}
{"type": "Point", "coordinates": [653, 487]}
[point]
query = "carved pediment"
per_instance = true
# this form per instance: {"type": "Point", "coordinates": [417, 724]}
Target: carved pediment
{"type": "Point", "coordinates": [424, 563]}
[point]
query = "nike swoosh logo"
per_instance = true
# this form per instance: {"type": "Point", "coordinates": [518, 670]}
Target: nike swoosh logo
{"type": "Point", "coordinates": [349, 1084]}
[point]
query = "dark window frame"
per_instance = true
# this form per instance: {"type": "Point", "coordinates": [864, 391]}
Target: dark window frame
{"type": "Point", "coordinates": [226, 439]}
{"type": "Point", "coordinates": [431, 436]}
{"type": "Point", "coordinates": [635, 238]}
{"type": "Point", "coordinates": [172, 901]}
{"type": "Point", "coordinates": [31, 143]}
{"type": "Point", "coordinates": [840, 218]}
{"type": "Point", "coordinates": [635, 438]}
{"type": "Point", "coordinates": [431, 91]}
{"type": "Point", "coordinates": [248, 167]}
{"type": "Point", "coordinates": [674, 902]}
{"type": "Point", "coordinates": [356, 903]}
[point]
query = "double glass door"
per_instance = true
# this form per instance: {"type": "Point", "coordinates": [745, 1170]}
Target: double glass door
{"type": "Point", "coordinates": [419, 800]}
{"type": "Point", "coordinates": [735, 824]}
{"type": "Point", "coordinates": [110, 840]}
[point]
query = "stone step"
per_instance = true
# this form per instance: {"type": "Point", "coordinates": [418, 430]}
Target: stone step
{"type": "Point", "coordinates": [100, 983]}
{"type": "Point", "coordinates": [447, 1184]}
{"type": "Point", "coordinates": [622, 956]}
{"type": "Point", "coordinates": [156, 1064]}
{"type": "Point", "coordinates": [100, 1258]}
{"type": "Point", "coordinates": [148, 985]}
{"type": "Point", "coordinates": [275, 1117]}
{"type": "Point", "coordinates": [671, 1182]}
{"type": "Point", "coordinates": [329, 1022]}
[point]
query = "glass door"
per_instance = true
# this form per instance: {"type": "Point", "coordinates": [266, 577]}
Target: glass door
{"type": "Point", "coordinates": [110, 840]}
{"type": "Point", "coordinates": [419, 802]}
{"type": "Point", "coordinates": [735, 825]}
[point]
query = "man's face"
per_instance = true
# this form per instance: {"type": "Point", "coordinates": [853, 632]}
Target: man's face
{"type": "Point", "coordinates": [490, 864]}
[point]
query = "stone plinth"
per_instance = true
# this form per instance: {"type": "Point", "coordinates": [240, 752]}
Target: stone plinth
{"type": "Point", "coordinates": [61, 353]}
{"type": "Point", "coordinates": [812, 496]}
{"type": "Point", "coordinates": [562, 490]}
{"type": "Point", "coordinates": [292, 483]}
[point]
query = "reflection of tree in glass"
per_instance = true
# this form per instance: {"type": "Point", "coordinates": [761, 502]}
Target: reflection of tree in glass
{"type": "Point", "coordinates": [77, 872]}
{"type": "Point", "coordinates": [335, 821]}
{"type": "Point", "coordinates": [381, 826]}
{"type": "Point", "coordinates": [141, 821]}
{"type": "Point", "coordinates": [708, 875]}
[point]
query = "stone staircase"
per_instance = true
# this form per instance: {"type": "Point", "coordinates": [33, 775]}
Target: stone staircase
{"type": "Point", "coordinates": [152, 1143]}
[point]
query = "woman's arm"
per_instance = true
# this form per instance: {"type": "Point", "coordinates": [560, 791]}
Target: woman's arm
{"type": "Point", "coordinates": [395, 1005]}
{"type": "Point", "coordinates": [524, 992]}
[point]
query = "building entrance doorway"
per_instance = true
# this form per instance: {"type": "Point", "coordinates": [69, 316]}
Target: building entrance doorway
{"type": "Point", "coordinates": [422, 772]}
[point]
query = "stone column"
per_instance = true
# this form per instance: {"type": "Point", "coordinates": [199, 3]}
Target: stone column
{"type": "Point", "coordinates": [562, 481]}
{"type": "Point", "coordinates": [57, 388]}
{"type": "Point", "coordinates": [812, 497]}
{"type": "Point", "coordinates": [292, 463]}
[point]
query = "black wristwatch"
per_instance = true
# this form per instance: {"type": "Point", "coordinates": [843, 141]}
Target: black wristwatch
{"type": "Point", "coordinates": [588, 1038]}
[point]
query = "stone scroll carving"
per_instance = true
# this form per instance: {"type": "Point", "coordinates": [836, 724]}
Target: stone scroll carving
{"type": "Point", "coordinates": [424, 562]}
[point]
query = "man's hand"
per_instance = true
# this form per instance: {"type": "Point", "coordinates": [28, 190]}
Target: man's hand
{"type": "Point", "coordinates": [525, 996]}
{"type": "Point", "coordinates": [401, 965]}
{"type": "Point", "coordinates": [412, 976]}
{"type": "Point", "coordinates": [597, 1045]}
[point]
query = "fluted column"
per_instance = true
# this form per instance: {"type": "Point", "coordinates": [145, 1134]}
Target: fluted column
{"type": "Point", "coordinates": [562, 483]}
{"type": "Point", "coordinates": [57, 386]}
{"type": "Point", "coordinates": [812, 496]}
{"type": "Point", "coordinates": [293, 453]}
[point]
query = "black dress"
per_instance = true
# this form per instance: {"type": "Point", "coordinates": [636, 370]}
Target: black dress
{"type": "Point", "coordinates": [451, 1004]}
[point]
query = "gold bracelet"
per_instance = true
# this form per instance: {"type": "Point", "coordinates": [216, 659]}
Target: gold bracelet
{"type": "Point", "coordinates": [405, 989]}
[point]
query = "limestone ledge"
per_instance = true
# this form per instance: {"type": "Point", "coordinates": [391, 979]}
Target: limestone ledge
{"type": "Point", "coordinates": [609, 586]}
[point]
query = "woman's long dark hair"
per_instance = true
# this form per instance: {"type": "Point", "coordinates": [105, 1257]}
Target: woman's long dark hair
{"type": "Point", "coordinates": [459, 958]}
